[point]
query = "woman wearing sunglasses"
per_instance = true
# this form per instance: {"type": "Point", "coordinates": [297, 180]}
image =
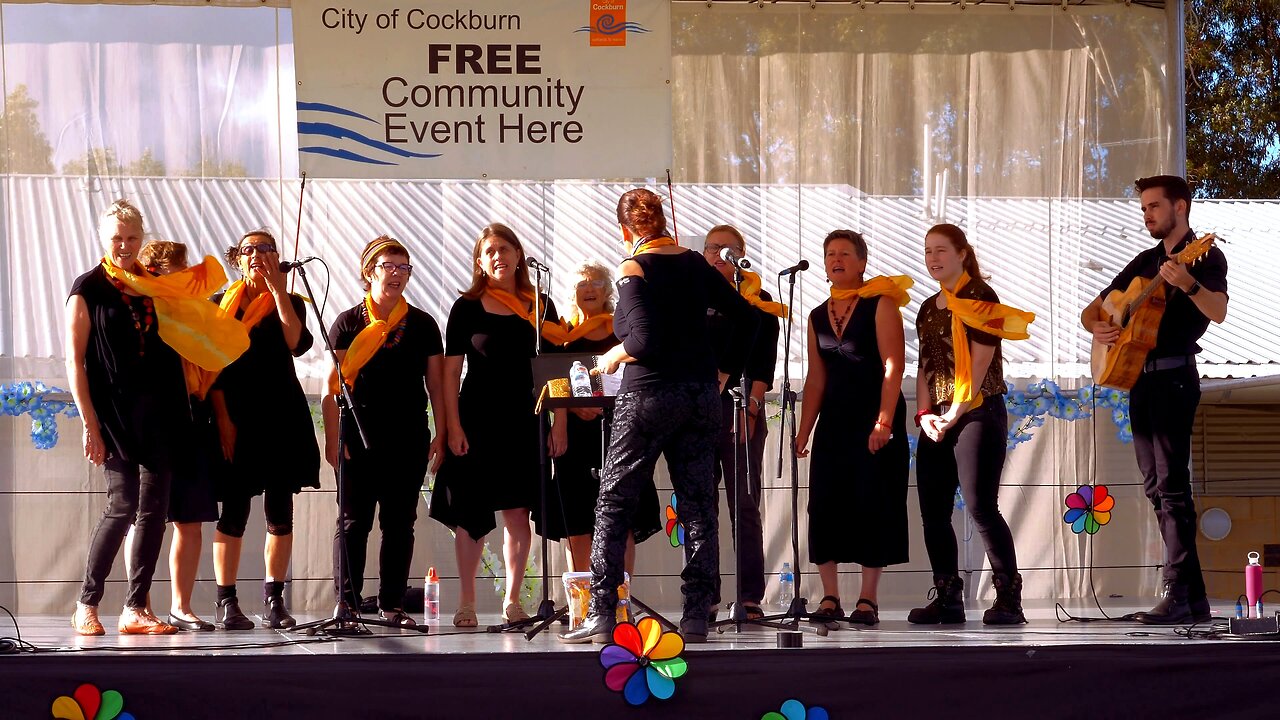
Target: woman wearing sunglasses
{"type": "Point", "coordinates": [265, 429]}
{"type": "Point", "coordinates": [392, 358]}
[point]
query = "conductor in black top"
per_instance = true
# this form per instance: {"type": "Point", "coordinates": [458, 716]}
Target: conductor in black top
{"type": "Point", "coordinates": [751, 348]}
{"type": "Point", "coordinates": [1162, 404]}
{"type": "Point", "coordinates": [667, 405]}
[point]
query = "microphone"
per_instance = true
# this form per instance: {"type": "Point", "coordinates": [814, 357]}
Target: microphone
{"type": "Point", "coordinates": [729, 256]}
{"type": "Point", "coordinates": [798, 267]}
{"type": "Point", "coordinates": [288, 265]}
{"type": "Point", "coordinates": [537, 265]}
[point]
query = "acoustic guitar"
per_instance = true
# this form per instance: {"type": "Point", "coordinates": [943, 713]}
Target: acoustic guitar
{"type": "Point", "coordinates": [1137, 312]}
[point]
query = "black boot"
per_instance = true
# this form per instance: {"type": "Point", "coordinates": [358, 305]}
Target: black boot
{"type": "Point", "coordinates": [274, 615]}
{"type": "Point", "coordinates": [1007, 609]}
{"type": "Point", "coordinates": [228, 616]}
{"type": "Point", "coordinates": [693, 629]}
{"type": "Point", "coordinates": [948, 603]}
{"type": "Point", "coordinates": [595, 628]}
{"type": "Point", "coordinates": [1175, 608]}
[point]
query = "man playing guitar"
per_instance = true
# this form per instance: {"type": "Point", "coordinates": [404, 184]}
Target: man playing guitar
{"type": "Point", "coordinates": [1162, 403]}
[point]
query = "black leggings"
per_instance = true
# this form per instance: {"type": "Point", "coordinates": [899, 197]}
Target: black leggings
{"type": "Point", "coordinates": [681, 422]}
{"type": "Point", "coordinates": [277, 505]}
{"type": "Point", "coordinates": [136, 495]}
{"type": "Point", "coordinates": [971, 455]}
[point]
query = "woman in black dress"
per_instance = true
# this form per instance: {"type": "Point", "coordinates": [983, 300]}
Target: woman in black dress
{"type": "Point", "coordinates": [393, 357]}
{"type": "Point", "coordinates": [129, 388]}
{"type": "Point", "coordinates": [265, 428]}
{"type": "Point", "coordinates": [571, 510]}
{"type": "Point", "coordinates": [858, 473]}
{"type": "Point", "coordinates": [668, 405]}
{"type": "Point", "coordinates": [492, 459]}
{"type": "Point", "coordinates": [963, 425]}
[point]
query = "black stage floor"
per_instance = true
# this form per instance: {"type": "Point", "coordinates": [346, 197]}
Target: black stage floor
{"type": "Point", "coordinates": [1046, 669]}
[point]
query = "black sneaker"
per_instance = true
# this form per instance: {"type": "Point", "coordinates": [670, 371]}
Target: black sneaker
{"type": "Point", "coordinates": [228, 616]}
{"type": "Point", "coordinates": [275, 616]}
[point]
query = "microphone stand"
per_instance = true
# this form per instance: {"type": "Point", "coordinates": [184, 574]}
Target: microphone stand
{"type": "Point", "coordinates": [345, 620]}
{"type": "Point", "coordinates": [547, 608]}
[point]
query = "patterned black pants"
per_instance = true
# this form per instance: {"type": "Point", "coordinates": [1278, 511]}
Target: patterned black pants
{"type": "Point", "coordinates": [680, 421]}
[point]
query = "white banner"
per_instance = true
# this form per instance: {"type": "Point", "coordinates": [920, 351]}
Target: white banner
{"type": "Point", "coordinates": [500, 89]}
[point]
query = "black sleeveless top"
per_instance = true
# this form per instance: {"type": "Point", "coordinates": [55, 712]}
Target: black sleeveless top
{"type": "Point", "coordinates": [135, 379]}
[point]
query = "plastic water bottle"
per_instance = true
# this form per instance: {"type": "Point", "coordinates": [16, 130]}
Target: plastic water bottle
{"type": "Point", "coordinates": [431, 597]}
{"type": "Point", "coordinates": [1253, 585]}
{"type": "Point", "coordinates": [580, 380]}
{"type": "Point", "coordinates": [786, 586]}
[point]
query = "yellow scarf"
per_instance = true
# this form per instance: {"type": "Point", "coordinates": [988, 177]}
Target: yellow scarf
{"type": "Point", "coordinates": [368, 341]}
{"type": "Point", "coordinates": [751, 293]}
{"type": "Point", "coordinates": [194, 327]}
{"type": "Point", "coordinates": [199, 380]}
{"type": "Point", "coordinates": [1000, 320]}
{"type": "Point", "coordinates": [580, 327]}
{"type": "Point", "coordinates": [552, 331]}
{"type": "Point", "coordinates": [647, 246]}
{"type": "Point", "coordinates": [895, 286]}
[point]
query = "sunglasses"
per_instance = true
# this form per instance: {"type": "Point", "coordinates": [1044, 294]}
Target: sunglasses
{"type": "Point", "coordinates": [261, 248]}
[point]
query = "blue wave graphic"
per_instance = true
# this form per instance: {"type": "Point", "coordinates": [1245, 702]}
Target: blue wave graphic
{"type": "Point", "coordinates": [343, 155]}
{"type": "Point", "coordinates": [607, 25]}
{"type": "Point", "coordinates": [324, 107]}
{"type": "Point", "coordinates": [341, 133]}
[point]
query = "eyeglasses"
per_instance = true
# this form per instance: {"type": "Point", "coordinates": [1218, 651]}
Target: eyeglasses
{"type": "Point", "coordinates": [261, 248]}
{"type": "Point", "coordinates": [715, 248]}
{"type": "Point", "coordinates": [387, 267]}
{"type": "Point", "coordinates": [597, 284]}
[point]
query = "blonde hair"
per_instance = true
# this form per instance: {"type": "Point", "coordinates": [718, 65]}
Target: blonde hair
{"type": "Point", "coordinates": [163, 254]}
{"type": "Point", "coordinates": [742, 242]}
{"type": "Point", "coordinates": [122, 211]}
{"type": "Point", "coordinates": [595, 271]}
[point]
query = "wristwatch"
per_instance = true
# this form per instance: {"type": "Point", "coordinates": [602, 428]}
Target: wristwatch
{"type": "Point", "coordinates": [1195, 288]}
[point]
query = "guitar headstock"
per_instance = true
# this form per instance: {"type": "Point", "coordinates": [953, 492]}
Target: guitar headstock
{"type": "Point", "coordinates": [1195, 249]}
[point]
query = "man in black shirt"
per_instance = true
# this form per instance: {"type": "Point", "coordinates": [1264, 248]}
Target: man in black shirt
{"type": "Point", "coordinates": [750, 348]}
{"type": "Point", "coordinates": [1162, 404]}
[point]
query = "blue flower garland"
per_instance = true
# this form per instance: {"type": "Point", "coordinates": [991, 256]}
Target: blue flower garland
{"type": "Point", "coordinates": [31, 398]}
{"type": "Point", "coordinates": [1044, 399]}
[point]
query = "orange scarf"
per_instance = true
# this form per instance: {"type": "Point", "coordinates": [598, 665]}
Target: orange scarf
{"type": "Point", "coordinates": [368, 341]}
{"type": "Point", "coordinates": [580, 327]}
{"type": "Point", "coordinates": [751, 293]}
{"type": "Point", "coordinates": [200, 380]}
{"type": "Point", "coordinates": [187, 322]}
{"type": "Point", "coordinates": [552, 331]}
{"type": "Point", "coordinates": [647, 246]}
{"type": "Point", "coordinates": [1000, 320]}
{"type": "Point", "coordinates": [895, 286]}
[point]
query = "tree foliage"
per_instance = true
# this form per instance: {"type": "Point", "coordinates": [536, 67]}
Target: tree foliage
{"type": "Point", "coordinates": [1233, 97]}
{"type": "Point", "coordinates": [146, 166]}
{"type": "Point", "coordinates": [97, 162]}
{"type": "Point", "coordinates": [26, 149]}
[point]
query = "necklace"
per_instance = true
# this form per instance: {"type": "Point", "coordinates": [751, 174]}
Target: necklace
{"type": "Point", "coordinates": [395, 336]}
{"type": "Point", "coordinates": [141, 322]}
{"type": "Point", "coordinates": [838, 322]}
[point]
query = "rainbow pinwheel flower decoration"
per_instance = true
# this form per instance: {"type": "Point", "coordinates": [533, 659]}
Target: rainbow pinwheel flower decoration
{"type": "Point", "coordinates": [795, 710]}
{"type": "Point", "coordinates": [675, 528]}
{"type": "Point", "coordinates": [643, 661]}
{"type": "Point", "coordinates": [90, 704]}
{"type": "Point", "coordinates": [1088, 509]}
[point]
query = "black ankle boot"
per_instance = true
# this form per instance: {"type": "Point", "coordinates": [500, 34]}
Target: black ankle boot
{"type": "Point", "coordinates": [595, 628]}
{"type": "Point", "coordinates": [274, 615]}
{"type": "Point", "coordinates": [947, 606]}
{"type": "Point", "coordinates": [1175, 608]}
{"type": "Point", "coordinates": [1007, 609]}
{"type": "Point", "coordinates": [228, 616]}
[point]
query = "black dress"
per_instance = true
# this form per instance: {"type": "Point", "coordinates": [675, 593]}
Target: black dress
{"type": "Point", "coordinates": [857, 500]}
{"type": "Point", "coordinates": [495, 409]}
{"type": "Point", "coordinates": [275, 436]}
{"type": "Point", "coordinates": [571, 498]}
